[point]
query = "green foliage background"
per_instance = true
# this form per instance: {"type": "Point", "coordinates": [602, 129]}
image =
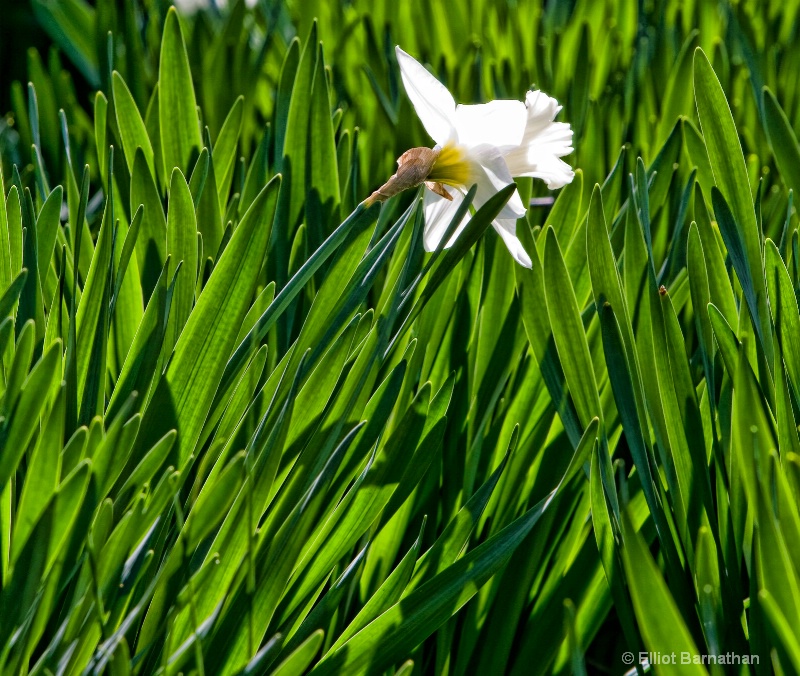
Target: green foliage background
{"type": "Point", "coordinates": [247, 426]}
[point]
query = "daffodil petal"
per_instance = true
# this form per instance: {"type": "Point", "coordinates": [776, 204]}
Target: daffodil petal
{"type": "Point", "coordinates": [491, 174]}
{"type": "Point", "coordinates": [433, 104]}
{"type": "Point", "coordinates": [439, 212]}
{"type": "Point", "coordinates": [507, 229]}
{"type": "Point", "coordinates": [554, 172]}
{"type": "Point", "coordinates": [543, 143]}
{"type": "Point", "coordinates": [498, 123]}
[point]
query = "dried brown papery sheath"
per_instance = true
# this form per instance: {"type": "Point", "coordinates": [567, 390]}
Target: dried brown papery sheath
{"type": "Point", "coordinates": [413, 168]}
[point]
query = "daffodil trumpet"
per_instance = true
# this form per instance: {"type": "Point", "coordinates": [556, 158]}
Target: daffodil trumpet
{"type": "Point", "coordinates": [486, 145]}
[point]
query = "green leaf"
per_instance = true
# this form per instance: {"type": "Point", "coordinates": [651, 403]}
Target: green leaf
{"type": "Point", "coordinates": [530, 289]}
{"type": "Point", "coordinates": [455, 537]}
{"type": "Point", "coordinates": [5, 250]}
{"type": "Point", "coordinates": [14, 218]}
{"type": "Point", "coordinates": [323, 198]}
{"type": "Point", "coordinates": [293, 162]}
{"type": "Point", "coordinates": [568, 333]}
{"type": "Point", "coordinates": [698, 155]}
{"type": "Point", "coordinates": [125, 256]}
{"type": "Point", "coordinates": [258, 308]}
{"type": "Point", "coordinates": [677, 97]}
{"type": "Point", "coordinates": [356, 222]}
{"type": "Point", "coordinates": [37, 555]}
{"type": "Point", "coordinates": [243, 395]}
{"type": "Point", "coordinates": [149, 464]}
{"type": "Point", "coordinates": [363, 503]}
{"type": "Point", "coordinates": [177, 106]}
{"type": "Point", "coordinates": [11, 295]}
{"type": "Point", "coordinates": [47, 225]}
{"type": "Point", "coordinates": [139, 371]}
{"type": "Point", "coordinates": [622, 384]}
{"type": "Point", "coordinates": [659, 173]}
{"type": "Point", "coordinates": [264, 657]}
{"type": "Point", "coordinates": [23, 353]}
{"type": "Point", "coordinates": [111, 455]}
{"type": "Point", "coordinates": [100, 131]}
{"type": "Point", "coordinates": [257, 171]}
{"type": "Point", "coordinates": [389, 593]}
{"type": "Point", "coordinates": [441, 266]}
{"type": "Point", "coordinates": [775, 571]}
{"type": "Point", "coordinates": [661, 624]}
{"type": "Point", "coordinates": [753, 437]}
{"type": "Point", "coordinates": [406, 669]}
{"type": "Point", "coordinates": [225, 152]}
{"type": "Point", "coordinates": [581, 80]}
{"type": "Point", "coordinates": [185, 393]}
{"type": "Point", "coordinates": [325, 609]}
{"type": "Point", "coordinates": [31, 305]}
{"type": "Point", "coordinates": [213, 502]}
{"type": "Point", "coordinates": [724, 149]}
{"type": "Point", "coordinates": [726, 339]}
{"type": "Point", "coordinates": [781, 628]}
{"type": "Point", "coordinates": [682, 412]}
{"type": "Point", "coordinates": [783, 303]}
{"type": "Point", "coordinates": [70, 24]}
{"type": "Point", "coordinates": [22, 423]}
{"type": "Point", "coordinates": [288, 76]}
{"type": "Point", "coordinates": [44, 471]}
{"type": "Point", "coordinates": [235, 539]}
{"type": "Point", "coordinates": [316, 393]}
{"type": "Point", "coordinates": [567, 209]}
{"type": "Point", "coordinates": [707, 584]}
{"type": "Point", "coordinates": [782, 140]}
{"type": "Point", "coordinates": [92, 323]}
{"type": "Point", "coordinates": [298, 662]}
{"type": "Point", "coordinates": [406, 624]}
{"type": "Point", "coordinates": [181, 249]}
{"type": "Point", "coordinates": [730, 174]}
{"type": "Point", "coordinates": [197, 179]}
{"type": "Point", "coordinates": [132, 129]}
{"type": "Point", "coordinates": [701, 297]}
{"type": "Point", "coordinates": [738, 255]}
{"type": "Point", "coordinates": [606, 525]}
{"type": "Point", "coordinates": [275, 561]}
{"type": "Point", "coordinates": [209, 218]}
{"type": "Point", "coordinates": [607, 287]}
{"type": "Point", "coordinates": [151, 246]}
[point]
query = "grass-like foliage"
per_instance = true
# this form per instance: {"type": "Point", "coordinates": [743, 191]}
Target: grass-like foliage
{"type": "Point", "coordinates": [248, 426]}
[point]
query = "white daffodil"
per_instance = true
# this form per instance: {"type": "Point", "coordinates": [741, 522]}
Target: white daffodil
{"type": "Point", "coordinates": [486, 144]}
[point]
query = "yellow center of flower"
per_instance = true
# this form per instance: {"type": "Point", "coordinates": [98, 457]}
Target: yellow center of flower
{"type": "Point", "coordinates": [451, 167]}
